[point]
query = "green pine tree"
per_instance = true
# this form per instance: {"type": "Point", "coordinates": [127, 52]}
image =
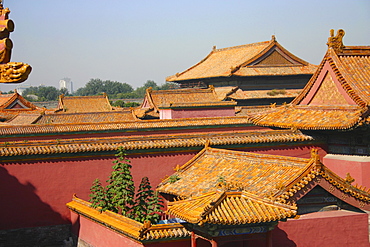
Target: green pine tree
{"type": "Point", "coordinates": [120, 188]}
{"type": "Point", "coordinates": [147, 203]}
{"type": "Point", "coordinates": [155, 205]}
{"type": "Point", "coordinates": [98, 196]}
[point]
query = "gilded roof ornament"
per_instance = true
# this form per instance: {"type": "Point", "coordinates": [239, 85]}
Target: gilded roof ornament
{"type": "Point", "coordinates": [336, 42]}
{"type": "Point", "coordinates": [10, 72]}
{"type": "Point", "coordinates": [349, 179]}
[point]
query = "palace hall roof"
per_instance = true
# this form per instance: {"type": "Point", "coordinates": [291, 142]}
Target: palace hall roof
{"type": "Point", "coordinates": [189, 97]}
{"type": "Point", "coordinates": [235, 93]}
{"type": "Point", "coordinates": [230, 208]}
{"type": "Point", "coordinates": [77, 104]}
{"type": "Point", "coordinates": [256, 173]}
{"type": "Point", "coordinates": [14, 106]}
{"type": "Point", "coordinates": [87, 117]}
{"type": "Point", "coordinates": [104, 144]}
{"type": "Point", "coordinates": [336, 97]}
{"type": "Point", "coordinates": [15, 101]}
{"type": "Point", "coordinates": [257, 59]}
{"type": "Point", "coordinates": [221, 186]}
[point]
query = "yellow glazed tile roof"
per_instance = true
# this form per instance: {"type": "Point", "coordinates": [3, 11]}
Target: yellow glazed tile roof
{"type": "Point", "coordinates": [136, 125]}
{"type": "Point", "coordinates": [256, 59]}
{"type": "Point", "coordinates": [148, 142]}
{"type": "Point", "coordinates": [87, 117]}
{"type": "Point", "coordinates": [126, 226]}
{"type": "Point", "coordinates": [190, 97]}
{"type": "Point", "coordinates": [75, 104]}
{"type": "Point", "coordinates": [255, 173]}
{"type": "Point", "coordinates": [230, 208]}
{"type": "Point", "coordinates": [352, 70]}
{"type": "Point", "coordinates": [324, 104]}
{"type": "Point", "coordinates": [309, 117]}
{"type": "Point", "coordinates": [260, 176]}
{"type": "Point", "coordinates": [7, 100]}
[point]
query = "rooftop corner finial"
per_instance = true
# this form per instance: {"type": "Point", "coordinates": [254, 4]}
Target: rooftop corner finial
{"type": "Point", "coordinates": [213, 48]}
{"type": "Point", "coordinates": [273, 38]}
{"type": "Point", "coordinates": [336, 42]}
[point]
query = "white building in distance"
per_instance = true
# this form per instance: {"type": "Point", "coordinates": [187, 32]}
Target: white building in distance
{"type": "Point", "coordinates": [66, 83]}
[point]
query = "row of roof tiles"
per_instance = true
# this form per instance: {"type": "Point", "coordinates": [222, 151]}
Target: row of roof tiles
{"type": "Point", "coordinates": [230, 208]}
{"type": "Point", "coordinates": [149, 142]}
{"type": "Point", "coordinates": [230, 187]}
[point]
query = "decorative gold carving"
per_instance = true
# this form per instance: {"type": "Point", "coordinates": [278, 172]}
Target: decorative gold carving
{"type": "Point", "coordinates": [14, 72]}
{"type": "Point", "coordinates": [349, 179]}
{"type": "Point", "coordinates": [344, 197]}
{"type": "Point", "coordinates": [336, 42]}
{"type": "Point", "coordinates": [316, 158]}
{"type": "Point", "coordinates": [331, 188]}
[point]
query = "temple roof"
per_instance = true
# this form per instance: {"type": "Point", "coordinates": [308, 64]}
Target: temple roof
{"type": "Point", "coordinates": [76, 104]}
{"type": "Point", "coordinates": [336, 97]}
{"type": "Point", "coordinates": [189, 97]}
{"type": "Point", "coordinates": [256, 173]}
{"type": "Point", "coordinates": [230, 208]}
{"type": "Point", "coordinates": [266, 58]}
{"type": "Point", "coordinates": [15, 101]}
{"type": "Point", "coordinates": [15, 109]}
{"type": "Point", "coordinates": [231, 187]}
{"type": "Point", "coordinates": [87, 117]}
{"type": "Point", "coordinates": [310, 117]}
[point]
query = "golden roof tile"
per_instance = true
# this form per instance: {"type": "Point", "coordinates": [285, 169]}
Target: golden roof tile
{"type": "Point", "coordinates": [15, 101]}
{"type": "Point", "coordinates": [323, 103]}
{"type": "Point", "coordinates": [189, 97]}
{"type": "Point", "coordinates": [83, 145]}
{"type": "Point", "coordinates": [230, 208]}
{"type": "Point", "coordinates": [74, 104]}
{"type": "Point", "coordinates": [87, 117]}
{"type": "Point", "coordinates": [255, 173]}
{"type": "Point", "coordinates": [256, 59]}
{"type": "Point", "coordinates": [126, 226]}
{"type": "Point", "coordinates": [277, 178]}
{"type": "Point", "coordinates": [135, 125]}
{"type": "Point", "coordinates": [310, 117]}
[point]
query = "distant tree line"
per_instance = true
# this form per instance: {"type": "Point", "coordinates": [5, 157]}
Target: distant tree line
{"type": "Point", "coordinates": [114, 89]}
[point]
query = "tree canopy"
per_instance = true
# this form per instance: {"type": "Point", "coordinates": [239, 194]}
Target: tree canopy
{"type": "Point", "coordinates": [43, 93]}
{"type": "Point", "coordinates": [98, 86]}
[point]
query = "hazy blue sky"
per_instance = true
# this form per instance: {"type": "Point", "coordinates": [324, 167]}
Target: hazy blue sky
{"type": "Point", "coordinates": [135, 41]}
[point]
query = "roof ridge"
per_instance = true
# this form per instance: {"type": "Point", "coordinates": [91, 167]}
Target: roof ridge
{"type": "Point", "coordinates": [241, 46]}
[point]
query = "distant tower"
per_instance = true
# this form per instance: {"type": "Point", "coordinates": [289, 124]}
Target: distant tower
{"type": "Point", "coordinates": [66, 83]}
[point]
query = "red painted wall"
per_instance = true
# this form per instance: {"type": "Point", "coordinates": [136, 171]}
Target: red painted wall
{"type": "Point", "coordinates": [101, 236]}
{"type": "Point", "coordinates": [357, 166]}
{"type": "Point", "coordinates": [329, 229]}
{"type": "Point", "coordinates": [36, 192]}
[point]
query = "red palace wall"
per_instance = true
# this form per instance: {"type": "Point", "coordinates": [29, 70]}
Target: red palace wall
{"type": "Point", "coordinates": [91, 233]}
{"type": "Point", "coordinates": [36, 192]}
{"type": "Point", "coordinates": [357, 166]}
{"type": "Point", "coordinates": [329, 229]}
